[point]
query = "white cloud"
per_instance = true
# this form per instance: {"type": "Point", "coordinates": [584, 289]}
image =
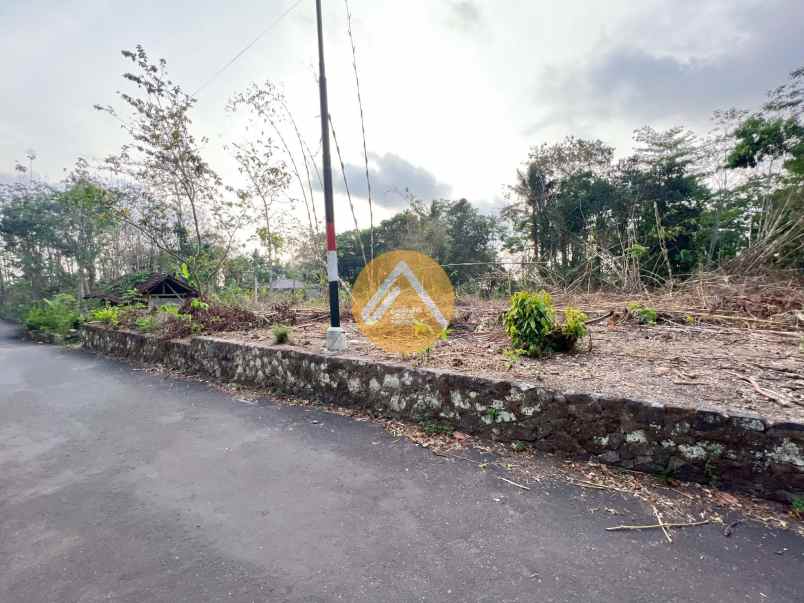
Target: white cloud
{"type": "Point", "coordinates": [454, 91]}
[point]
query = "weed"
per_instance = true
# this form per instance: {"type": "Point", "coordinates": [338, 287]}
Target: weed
{"type": "Point", "coordinates": [797, 506]}
{"type": "Point", "coordinates": [574, 323]}
{"type": "Point", "coordinates": [146, 324]}
{"type": "Point", "coordinates": [492, 414]}
{"type": "Point", "coordinates": [431, 427]}
{"type": "Point", "coordinates": [518, 446]}
{"type": "Point", "coordinates": [131, 297]}
{"type": "Point", "coordinates": [171, 309]}
{"type": "Point", "coordinates": [421, 328]}
{"type": "Point", "coordinates": [198, 304]}
{"type": "Point", "coordinates": [281, 334]}
{"type": "Point", "coordinates": [513, 356]}
{"type": "Point", "coordinates": [109, 315]}
{"type": "Point", "coordinates": [666, 475]}
{"type": "Point", "coordinates": [712, 473]}
{"type": "Point", "coordinates": [422, 357]}
{"type": "Point", "coordinates": [644, 314]}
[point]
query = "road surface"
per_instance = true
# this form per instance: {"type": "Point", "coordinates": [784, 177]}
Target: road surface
{"type": "Point", "coordinates": [118, 485]}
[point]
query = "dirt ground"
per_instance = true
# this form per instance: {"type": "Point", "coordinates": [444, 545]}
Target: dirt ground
{"type": "Point", "coordinates": [750, 361]}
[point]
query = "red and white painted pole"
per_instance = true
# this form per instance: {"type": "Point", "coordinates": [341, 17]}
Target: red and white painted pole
{"type": "Point", "coordinates": [336, 339]}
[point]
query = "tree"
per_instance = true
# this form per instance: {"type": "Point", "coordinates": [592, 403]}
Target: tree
{"type": "Point", "coordinates": [87, 219]}
{"type": "Point", "coordinates": [176, 190]}
{"type": "Point", "coordinates": [534, 213]}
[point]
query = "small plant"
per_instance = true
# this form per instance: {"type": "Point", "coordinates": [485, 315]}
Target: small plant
{"type": "Point", "coordinates": [422, 357]}
{"type": "Point", "coordinates": [131, 297]}
{"type": "Point", "coordinates": [171, 309]}
{"type": "Point", "coordinates": [518, 446]}
{"type": "Point", "coordinates": [421, 328]}
{"type": "Point", "coordinates": [492, 414]}
{"type": "Point", "coordinates": [198, 304]}
{"type": "Point", "coordinates": [146, 324]}
{"type": "Point", "coordinates": [531, 324]}
{"type": "Point", "coordinates": [712, 473]}
{"type": "Point", "coordinates": [575, 323]}
{"type": "Point", "coordinates": [637, 251]}
{"type": "Point", "coordinates": [529, 320]}
{"type": "Point", "coordinates": [644, 314]}
{"type": "Point", "coordinates": [435, 427]}
{"type": "Point", "coordinates": [109, 315]}
{"type": "Point", "coordinates": [281, 334]}
{"type": "Point", "coordinates": [667, 476]}
{"type": "Point", "coordinates": [513, 356]}
{"type": "Point", "coordinates": [797, 507]}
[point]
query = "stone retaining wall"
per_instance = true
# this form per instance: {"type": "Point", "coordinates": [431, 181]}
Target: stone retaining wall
{"type": "Point", "coordinates": [735, 449]}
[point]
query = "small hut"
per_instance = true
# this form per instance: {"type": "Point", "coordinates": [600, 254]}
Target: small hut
{"type": "Point", "coordinates": [161, 289]}
{"type": "Point", "coordinates": [157, 289]}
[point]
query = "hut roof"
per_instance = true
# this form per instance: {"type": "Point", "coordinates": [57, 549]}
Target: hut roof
{"type": "Point", "coordinates": [144, 283]}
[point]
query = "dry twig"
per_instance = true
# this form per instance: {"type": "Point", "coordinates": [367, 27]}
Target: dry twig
{"type": "Point", "coordinates": [662, 525]}
{"type": "Point", "coordinates": [659, 525]}
{"type": "Point", "coordinates": [512, 483]}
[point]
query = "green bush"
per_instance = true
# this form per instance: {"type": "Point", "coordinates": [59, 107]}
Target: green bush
{"type": "Point", "coordinates": [575, 323]}
{"type": "Point", "coordinates": [146, 324]}
{"type": "Point", "coordinates": [531, 324]}
{"type": "Point", "coordinates": [198, 304]}
{"type": "Point", "coordinates": [171, 309]}
{"type": "Point", "coordinates": [109, 315]}
{"type": "Point", "coordinates": [281, 334]}
{"type": "Point", "coordinates": [56, 316]}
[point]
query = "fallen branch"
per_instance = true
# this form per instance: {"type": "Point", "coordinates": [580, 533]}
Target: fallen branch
{"type": "Point", "coordinates": [512, 483]}
{"type": "Point", "coordinates": [456, 456]}
{"type": "Point", "coordinates": [599, 318]}
{"type": "Point", "coordinates": [586, 484]}
{"type": "Point", "coordinates": [659, 525]}
{"type": "Point", "coordinates": [662, 525]}
{"type": "Point", "coordinates": [764, 392]}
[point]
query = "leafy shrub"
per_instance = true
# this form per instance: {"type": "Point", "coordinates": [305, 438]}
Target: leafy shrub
{"type": "Point", "coordinates": [644, 314]}
{"type": "Point", "coordinates": [431, 427]}
{"type": "Point", "coordinates": [575, 323]}
{"type": "Point", "coordinates": [57, 316]}
{"type": "Point", "coordinates": [109, 315]}
{"type": "Point", "coordinates": [171, 309]}
{"type": "Point", "coordinates": [146, 324]}
{"type": "Point", "coordinates": [198, 304]}
{"type": "Point", "coordinates": [531, 324]}
{"type": "Point", "coordinates": [281, 334]}
{"type": "Point", "coordinates": [529, 320]}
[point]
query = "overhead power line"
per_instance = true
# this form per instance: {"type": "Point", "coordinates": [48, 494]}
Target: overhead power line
{"type": "Point", "coordinates": [248, 46]}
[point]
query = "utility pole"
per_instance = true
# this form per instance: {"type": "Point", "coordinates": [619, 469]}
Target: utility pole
{"type": "Point", "coordinates": [336, 338]}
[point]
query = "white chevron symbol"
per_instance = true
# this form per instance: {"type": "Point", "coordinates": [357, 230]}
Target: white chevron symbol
{"type": "Point", "coordinates": [388, 291]}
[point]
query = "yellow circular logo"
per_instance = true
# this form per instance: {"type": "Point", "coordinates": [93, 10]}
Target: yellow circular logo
{"type": "Point", "coordinates": [403, 301]}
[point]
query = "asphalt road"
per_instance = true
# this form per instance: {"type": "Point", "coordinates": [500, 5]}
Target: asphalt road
{"type": "Point", "coordinates": [117, 485]}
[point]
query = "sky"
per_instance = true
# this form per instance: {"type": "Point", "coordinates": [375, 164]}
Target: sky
{"type": "Point", "coordinates": [455, 92]}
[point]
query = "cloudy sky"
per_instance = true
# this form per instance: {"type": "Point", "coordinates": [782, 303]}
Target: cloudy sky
{"type": "Point", "coordinates": [455, 91]}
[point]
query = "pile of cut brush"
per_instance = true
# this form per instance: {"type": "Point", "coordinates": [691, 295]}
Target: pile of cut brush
{"type": "Point", "coordinates": [286, 313]}
{"type": "Point", "coordinates": [197, 317]}
{"type": "Point", "coordinates": [215, 318]}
